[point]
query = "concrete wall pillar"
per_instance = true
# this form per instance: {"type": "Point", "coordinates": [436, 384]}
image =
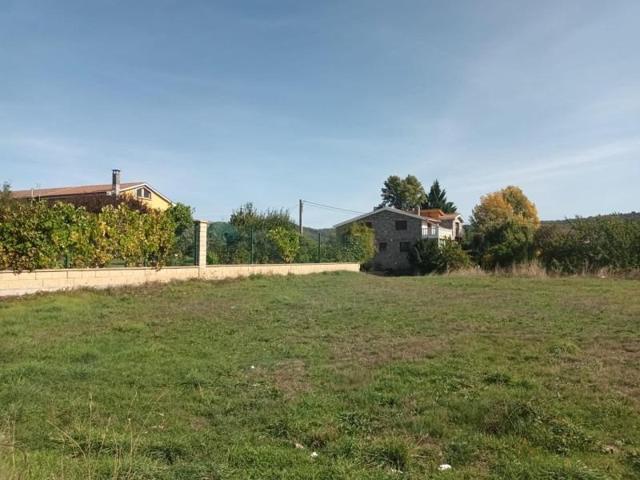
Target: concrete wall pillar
{"type": "Point", "coordinates": [201, 243]}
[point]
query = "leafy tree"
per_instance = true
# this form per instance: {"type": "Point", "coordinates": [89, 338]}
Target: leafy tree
{"type": "Point", "coordinates": [287, 241]}
{"type": "Point", "coordinates": [403, 194]}
{"type": "Point", "coordinates": [182, 217]}
{"type": "Point", "coordinates": [246, 238]}
{"type": "Point", "coordinates": [437, 198]}
{"type": "Point", "coordinates": [247, 217]}
{"type": "Point", "coordinates": [431, 256]}
{"type": "Point", "coordinates": [504, 224]}
{"type": "Point", "coordinates": [508, 204]}
{"type": "Point", "coordinates": [184, 249]}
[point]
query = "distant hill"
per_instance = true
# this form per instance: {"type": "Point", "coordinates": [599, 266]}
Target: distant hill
{"type": "Point", "coordinates": [326, 234]}
{"type": "Point", "coordinates": [634, 216]}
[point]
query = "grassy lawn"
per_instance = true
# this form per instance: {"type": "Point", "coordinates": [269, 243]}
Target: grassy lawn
{"type": "Point", "coordinates": [384, 378]}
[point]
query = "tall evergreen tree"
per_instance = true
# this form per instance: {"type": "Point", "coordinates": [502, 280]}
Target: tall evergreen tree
{"type": "Point", "coordinates": [437, 198]}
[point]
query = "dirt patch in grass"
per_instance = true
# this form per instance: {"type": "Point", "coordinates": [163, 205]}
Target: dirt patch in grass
{"type": "Point", "coordinates": [616, 367]}
{"type": "Point", "coordinates": [372, 350]}
{"type": "Point", "coordinates": [199, 423]}
{"type": "Point", "coordinates": [290, 378]}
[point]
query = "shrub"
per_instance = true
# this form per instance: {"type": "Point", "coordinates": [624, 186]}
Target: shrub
{"type": "Point", "coordinates": [503, 244]}
{"type": "Point", "coordinates": [589, 245]}
{"type": "Point", "coordinates": [25, 237]}
{"type": "Point", "coordinates": [431, 256]}
{"type": "Point", "coordinates": [287, 242]}
{"type": "Point", "coordinates": [452, 256]}
{"type": "Point", "coordinates": [37, 234]}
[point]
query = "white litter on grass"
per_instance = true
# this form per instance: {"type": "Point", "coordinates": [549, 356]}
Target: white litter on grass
{"type": "Point", "coordinates": [314, 454]}
{"type": "Point", "coordinates": [299, 445]}
{"type": "Point", "coordinates": [253, 367]}
{"type": "Point", "coordinates": [444, 466]}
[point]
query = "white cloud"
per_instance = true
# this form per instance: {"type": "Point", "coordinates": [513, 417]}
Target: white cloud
{"type": "Point", "coordinates": [557, 164]}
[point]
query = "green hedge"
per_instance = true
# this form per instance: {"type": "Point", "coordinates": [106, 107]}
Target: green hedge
{"type": "Point", "coordinates": [36, 234]}
{"type": "Point", "coordinates": [588, 245]}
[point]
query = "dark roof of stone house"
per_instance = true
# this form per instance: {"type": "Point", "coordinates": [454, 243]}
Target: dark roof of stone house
{"type": "Point", "coordinates": [387, 209]}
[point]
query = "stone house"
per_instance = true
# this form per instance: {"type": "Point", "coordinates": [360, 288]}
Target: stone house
{"type": "Point", "coordinates": [396, 231]}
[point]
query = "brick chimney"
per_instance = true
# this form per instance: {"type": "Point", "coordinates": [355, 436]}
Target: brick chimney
{"type": "Point", "coordinates": [115, 182]}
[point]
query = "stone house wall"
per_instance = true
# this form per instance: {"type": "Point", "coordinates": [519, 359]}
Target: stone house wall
{"type": "Point", "coordinates": [389, 239]}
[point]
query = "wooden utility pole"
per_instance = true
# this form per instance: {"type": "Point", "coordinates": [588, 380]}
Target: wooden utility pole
{"type": "Point", "coordinates": [300, 204]}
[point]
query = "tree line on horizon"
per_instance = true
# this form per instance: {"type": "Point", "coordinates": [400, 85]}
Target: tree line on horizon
{"type": "Point", "coordinates": [504, 230]}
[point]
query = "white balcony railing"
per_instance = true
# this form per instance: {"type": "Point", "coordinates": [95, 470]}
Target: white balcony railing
{"type": "Point", "coordinates": [436, 232]}
{"type": "Point", "coordinates": [429, 231]}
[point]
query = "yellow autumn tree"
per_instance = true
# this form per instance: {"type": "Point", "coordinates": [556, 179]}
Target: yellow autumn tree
{"type": "Point", "coordinates": [504, 224]}
{"type": "Point", "coordinates": [507, 205]}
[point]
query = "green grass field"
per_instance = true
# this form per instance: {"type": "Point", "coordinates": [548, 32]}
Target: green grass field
{"type": "Point", "coordinates": [383, 378]}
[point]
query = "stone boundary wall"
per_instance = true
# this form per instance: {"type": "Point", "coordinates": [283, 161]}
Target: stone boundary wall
{"type": "Point", "coordinates": [12, 284]}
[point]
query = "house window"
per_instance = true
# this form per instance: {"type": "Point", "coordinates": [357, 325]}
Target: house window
{"type": "Point", "coordinates": [382, 246]}
{"type": "Point", "coordinates": [404, 246]}
{"type": "Point", "coordinates": [143, 193]}
{"type": "Point", "coordinates": [401, 224]}
{"type": "Point", "coordinates": [369, 224]}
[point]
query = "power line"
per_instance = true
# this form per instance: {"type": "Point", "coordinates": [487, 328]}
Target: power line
{"type": "Point", "coordinates": [330, 207]}
{"type": "Point", "coordinates": [302, 203]}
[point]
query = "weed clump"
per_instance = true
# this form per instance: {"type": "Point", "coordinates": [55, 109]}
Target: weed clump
{"type": "Point", "coordinates": [633, 459]}
{"type": "Point", "coordinates": [564, 349]}
{"type": "Point", "coordinates": [544, 468]}
{"type": "Point", "coordinates": [392, 453]}
{"type": "Point", "coordinates": [497, 378]}
{"type": "Point", "coordinates": [460, 452]}
{"type": "Point", "coordinates": [531, 421]}
{"type": "Point", "coordinates": [354, 422]}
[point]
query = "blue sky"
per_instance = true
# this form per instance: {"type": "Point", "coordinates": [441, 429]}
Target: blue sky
{"type": "Point", "coordinates": [219, 103]}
